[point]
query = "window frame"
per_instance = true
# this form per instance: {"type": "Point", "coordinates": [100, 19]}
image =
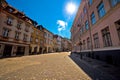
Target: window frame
{"type": "Point", "coordinates": [93, 18]}
{"type": "Point", "coordinates": [107, 42]}
{"type": "Point", "coordinates": [25, 37]}
{"type": "Point", "coordinates": [90, 2]}
{"type": "Point", "coordinates": [5, 34]}
{"type": "Point", "coordinates": [113, 3]}
{"type": "Point", "coordinates": [88, 43]}
{"type": "Point", "coordinates": [86, 25]}
{"type": "Point", "coordinates": [96, 40]}
{"type": "Point", "coordinates": [101, 10]}
{"type": "Point", "coordinates": [9, 20]}
{"type": "Point", "coordinates": [17, 35]}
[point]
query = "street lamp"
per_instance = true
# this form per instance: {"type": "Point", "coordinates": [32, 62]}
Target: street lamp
{"type": "Point", "coordinates": [80, 43]}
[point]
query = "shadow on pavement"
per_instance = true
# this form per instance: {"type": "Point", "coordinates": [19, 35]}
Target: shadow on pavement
{"type": "Point", "coordinates": [93, 71]}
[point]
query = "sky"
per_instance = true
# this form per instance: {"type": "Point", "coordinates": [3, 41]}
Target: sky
{"type": "Point", "coordinates": [56, 16]}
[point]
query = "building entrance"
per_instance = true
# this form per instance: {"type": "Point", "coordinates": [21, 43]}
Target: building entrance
{"type": "Point", "coordinates": [20, 51]}
{"type": "Point", "coordinates": [7, 51]}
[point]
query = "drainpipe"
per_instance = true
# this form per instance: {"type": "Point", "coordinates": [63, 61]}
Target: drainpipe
{"type": "Point", "coordinates": [89, 28]}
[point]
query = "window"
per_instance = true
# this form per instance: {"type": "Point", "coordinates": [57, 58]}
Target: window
{"type": "Point", "coordinates": [40, 28]}
{"type": "Point", "coordinates": [93, 19]}
{"type": "Point", "coordinates": [36, 32]}
{"type": "Point", "coordinates": [82, 16]}
{"type": "Point", "coordinates": [118, 28]}
{"type": "Point", "coordinates": [10, 10]}
{"type": "Point", "coordinates": [51, 37]}
{"type": "Point", "coordinates": [36, 40]}
{"type": "Point", "coordinates": [84, 9]}
{"type": "Point", "coordinates": [88, 43]}
{"type": "Point", "coordinates": [46, 41]}
{"type": "Point", "coordinates": [17, 35]}
{"type": "Point", "coordinates": [83, 44]}
{"type": "Point", "coordinates": [27, 28]}
{"type": "Point", "coordinates": [5, 32]}
{"type": "Point", "coordinates": [45, 35]}
{"type": "Point", "coordinates": [31, 39]}
{"type": "Point", "coordinates": [106, 37]}
{"type": "Point", "coordinates": [25, 37]}
{"type": "Point", "coordinates": [19, 25]}
{"type": "Point", "coordinates": [101, 10]}
{"type": "Point", "coordinates": [114, 2]}
{"type": "Point", "coordinates": [90, 2]}
{"type": "Point", "coordinates": [96, 40]}
{"type": "Point", "coordinates": [81, 30]}
{"type": "Point", "coordinates": [86, 25]}
{"type": "Point", "coordinates": [9, 21]}
{"type": "Point", "coordinates": [41, 42]}
{"type": "Point", "coordinates": [49, 42]}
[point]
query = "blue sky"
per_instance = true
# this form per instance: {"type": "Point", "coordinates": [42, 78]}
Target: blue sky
{"type": "Point", "coordinates": [52, 14]}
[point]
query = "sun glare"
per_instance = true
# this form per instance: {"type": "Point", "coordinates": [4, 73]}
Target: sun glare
{"type": "Point", "coordinates": [70, 8]}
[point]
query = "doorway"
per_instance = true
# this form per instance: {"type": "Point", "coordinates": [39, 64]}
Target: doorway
{"type": "Point", "coordinates": [20, 51]}
{"type": "Point", "coordinates": [40, 50]}
{"type": "Point", "coordinates": [7, 51]}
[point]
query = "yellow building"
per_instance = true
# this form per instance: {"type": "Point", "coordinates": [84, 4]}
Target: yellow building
{"type": "Point", "coordinates": [37, 39]}
{"type": "Point", "coordinates": [48, 41]}
{"type": "Point", "coordinates": [55, 45]}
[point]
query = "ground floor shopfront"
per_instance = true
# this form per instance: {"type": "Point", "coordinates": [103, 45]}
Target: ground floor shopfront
{"type": "Point", "coordinates": [36, 49]}
{"type": "Point", "coordinates": [48, 49]}
{"type": "Point", "coordinates": [8, 49]}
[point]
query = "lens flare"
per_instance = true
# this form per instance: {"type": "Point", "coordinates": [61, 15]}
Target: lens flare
{"type": "Point", "coordinates": [71, 8]}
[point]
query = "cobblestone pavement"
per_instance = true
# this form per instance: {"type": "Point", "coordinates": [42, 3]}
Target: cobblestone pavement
{"type": "Point", "coordinates": [55, 66]}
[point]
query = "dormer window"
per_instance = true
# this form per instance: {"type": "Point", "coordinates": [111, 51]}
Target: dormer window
{"type": "Point", "coordinates": [10, 10]}
{"type": "Point", "coordinates": [40, 28]}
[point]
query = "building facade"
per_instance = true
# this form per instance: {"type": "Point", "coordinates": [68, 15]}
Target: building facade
{"type": "Point", "coordinates": [66, 44]}
{"type": "Point", "coordinates": [96, 30]}
{"type": "Point", "coordinates": [20, 35]}
{"type": "Point", "coordinates": [15, 31]}
{"type": "Point", "coordinates": [48, 41]}
{"type": "Point", "coordinates": [37, 40]}
{"type": "Point", "coordinates": [59, 43]}
{"type": "Point", "coordinates": [55, 45]}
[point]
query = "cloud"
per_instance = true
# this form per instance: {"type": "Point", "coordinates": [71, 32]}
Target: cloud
{"type": "Point", "coordinates": [61, 25]}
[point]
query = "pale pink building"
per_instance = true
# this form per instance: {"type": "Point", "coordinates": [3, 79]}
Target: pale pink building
{"type": "Point", "coordinates": [96, 30]}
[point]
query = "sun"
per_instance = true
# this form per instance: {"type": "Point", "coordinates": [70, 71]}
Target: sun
{"type": "Point", "coordinates": [71, 8]}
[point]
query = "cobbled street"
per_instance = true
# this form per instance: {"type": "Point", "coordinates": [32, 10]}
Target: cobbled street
{"type": "Point", "coordinates": [53, 66]}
